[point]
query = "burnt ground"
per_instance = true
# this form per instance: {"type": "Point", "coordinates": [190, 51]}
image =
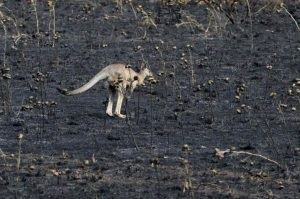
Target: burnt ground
{"type": "Point", "coordinates": [231, 87]}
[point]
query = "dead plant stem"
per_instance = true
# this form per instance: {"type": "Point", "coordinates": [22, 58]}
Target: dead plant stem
{"type": "Point", "coordinates": [19, 155]}
{"type": "Point", "coordinates": [284, 8]}
{"type": "Point", "coordinates": [256, 155]}
{"type": "Point", "coordinates": [34, 3]}
{"type": "Point", "coordinates": [251, 25]}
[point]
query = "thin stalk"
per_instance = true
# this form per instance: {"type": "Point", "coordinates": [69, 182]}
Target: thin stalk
{"type": "Point", "coordinates": [284, 8]}
{"type": "Point", "coordinates": [130, 126]}
{"type": "Point", "coordinates": [51, 5]}
{"type": "Point", "coordinates": [5, 41]}
{"type": "Point", "coordinates": [7, 100]}
{"type": "Point", "coordinates": [20, 137]}
{"type": "Point", "coordinates": [251, 24]}
{"type": "Point", "coordinates": [257, 155]}
{"type": "Point", "coordinates": [191, 67]}
{"type": "Point", "coordinates": [54, 25]}
{"type": "Point", "coordinates": [133, 10]}
{"type": "Point", "coordinates": [37, 20]}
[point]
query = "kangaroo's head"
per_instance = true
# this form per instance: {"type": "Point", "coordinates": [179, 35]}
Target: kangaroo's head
{"type": "Point", "coordinates": [145, 72]}
{"type": "Point", "coordinates": [141, 75]}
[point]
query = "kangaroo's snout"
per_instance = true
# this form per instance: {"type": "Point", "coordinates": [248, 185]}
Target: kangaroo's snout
{"type": "Point", "coordinates": [152, 80]}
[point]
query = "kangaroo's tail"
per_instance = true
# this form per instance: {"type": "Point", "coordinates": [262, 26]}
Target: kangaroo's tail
{"type": "Point", "coordinates": [99, 76]}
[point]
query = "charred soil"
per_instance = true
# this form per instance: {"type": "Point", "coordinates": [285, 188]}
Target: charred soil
{"type": "Point", "coordinates": [228, 77]}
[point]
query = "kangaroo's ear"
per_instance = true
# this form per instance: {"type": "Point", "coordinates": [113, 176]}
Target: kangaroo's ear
{"type": "Point", "coordinates": [143, 66]}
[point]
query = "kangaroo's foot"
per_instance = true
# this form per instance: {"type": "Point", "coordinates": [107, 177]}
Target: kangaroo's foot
{"type": "Point", "coordinates": [110, 114]}
{"type": "Point", "coordinates": [120, 115]}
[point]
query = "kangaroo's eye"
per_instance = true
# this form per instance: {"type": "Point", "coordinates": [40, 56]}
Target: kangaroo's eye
{"type": "Point", "coordinates": [135, 78]}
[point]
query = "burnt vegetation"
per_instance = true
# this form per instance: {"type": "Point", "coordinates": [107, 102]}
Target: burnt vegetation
{"type": "Point", "coordinates": [220, 119]}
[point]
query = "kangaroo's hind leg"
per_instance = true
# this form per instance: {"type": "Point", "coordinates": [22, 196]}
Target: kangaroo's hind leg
{"type": "Point", "coordinates": [120, 97]}
{"type": "Point", "coordinates": [111, 96]}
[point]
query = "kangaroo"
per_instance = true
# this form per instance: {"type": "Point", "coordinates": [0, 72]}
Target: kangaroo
{"type": "Point", "coordinates": [120, 78]}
